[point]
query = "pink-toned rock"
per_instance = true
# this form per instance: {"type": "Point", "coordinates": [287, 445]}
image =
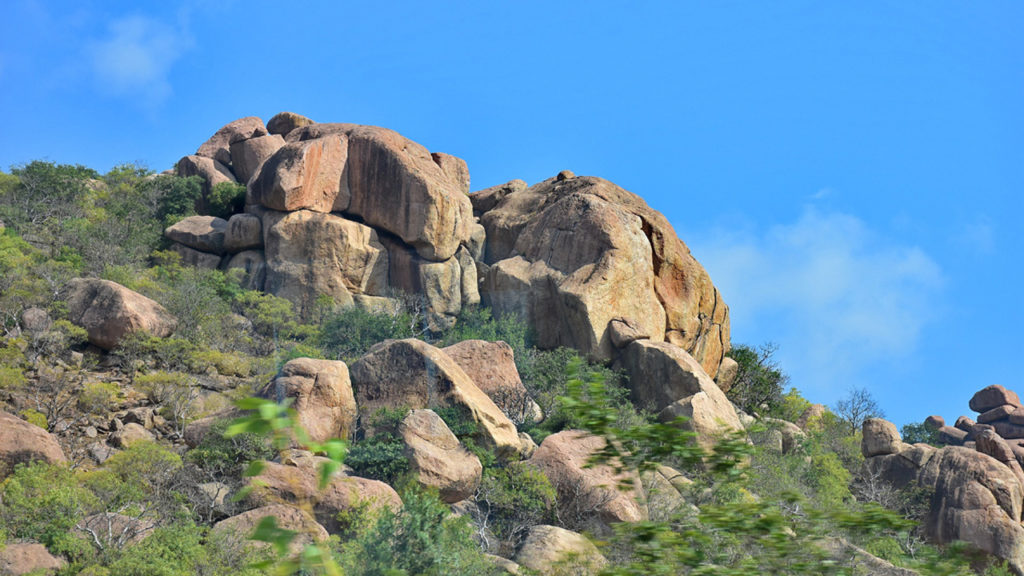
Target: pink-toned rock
{"type": "Point", "coordinates": [284, 122]}
{"type": "Point", "coordinates": [322, 396]}
{"type": "Point", "coordinates": [253, 265]}
{"type": "Point", "coordinates": [934, 422]}
{"type": "Point", "coordinates": [952, 436]}
{"type": "Point", "coordinates": [436, 457]}
{"type": "Point", "coordinates": [1008, 430]}
{"type": "Point", "coordinates": [17, 558]}
{"type": "Point", "coordinates": [244, 232]}
{"type": "Point", "coordinates": [998, 413]}
{"type": "Point", "coordinates": [660, 374]}
{"type": "Point", "coordinates": [248, 155]}
{"type": "Point", "coordinates": [492, 367]}
{"type": "Point", "coordinates": [218, 146]}
{"type": "Point", "coordinates": [203, 233]}
{"type": "Point", "coordinates": [588, 494]}
{"type": "Point", "coordinates": [1017, 416]}
{"type": "Point", "coordinates": [239, 528]}
{"type": "Point", "coordinates": [21, 443]}
{"type": "Point", "coordinates": [880, 437]}
{"type": "Point", "coordinates": [484, 200]}
{"type": "Point", "coordinates": [130, 434]}
{"type": "Point", "coordinates": [109, 312]}
{"type": "Point", "coordinates": [309, 254]}
{"type": "Point", "coordinates": [993, 396]}
{"type": "Point", "coordinates": [624, 330]}
{"type": "Point", "coordinates": [306, 175]}
{"type": "Point", "coordinates": [454, 168]}
{"type": "Point", "coordinates": [991, 444]}
{"type": "Point", "coordinates": [439, 284]}
{"type": "Point", "coordinates": [411, 373]}
{"type": "Point", "coordinates": [964, 423]}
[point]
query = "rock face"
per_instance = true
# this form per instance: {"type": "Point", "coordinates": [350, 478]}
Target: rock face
{"type": "Point", "coordinates": [546, 546]}
{"type": "Point", "coordinates": [304, 175]}
{"type": "Point", "coordinates": [437, 458]}
{"type": "Point", "coordinates": [109, 312]}
{"type": "Point", "coordinates": [492, 367]}
{"type": "Point", "coordinates": [562, 457]}
{"type": "Point", "coordinates": [18, 558]}
{"type": "Point", "coordinates": [322, 394]}
{"type": "Point", "coordinates": [583, 251]}
{"type": "Point", "coordinates": [218, 146]}
{"type": "Point", "coordinates": [239, 528]}
{"type": "Point", "coordinates": [415, 374]}
{"type": "Point", "coordinates": [21, 442]}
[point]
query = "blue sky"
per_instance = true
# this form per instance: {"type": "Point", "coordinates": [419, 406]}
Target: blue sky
{"type": "Point", "coordinates": [851, 174]}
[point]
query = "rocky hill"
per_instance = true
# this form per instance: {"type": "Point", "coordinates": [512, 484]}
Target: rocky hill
{"type": "Point", "coordinates": [518, 373]}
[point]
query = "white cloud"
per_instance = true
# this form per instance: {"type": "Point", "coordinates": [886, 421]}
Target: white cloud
{"type": "Point", "coordinates": [835, 295]}
{"type": "Point", "coordinates": [978, 236]}
{"type": "Point", "coordinates": [135, 58]}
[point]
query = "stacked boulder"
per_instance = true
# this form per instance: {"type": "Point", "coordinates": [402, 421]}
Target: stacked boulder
{"type": "Point", "coordinates": [360, 214]}
{"type": "Point", "coordinates": [977, 479]}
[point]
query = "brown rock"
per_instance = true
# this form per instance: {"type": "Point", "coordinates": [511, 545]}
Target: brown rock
{"type": "Point", "coordinates": [438, 284]}
{"type": "Point", "coordinates": [993, 396]}
{"type": "Point", "coordinates": [454, 168]}
{"type": "Point", "coordinates": [310, 253]}
{"type": "Point", "coordinates": [694, 313]}
{"type": "Point", "coordinates": [880, 437]}
{"type": "Point", "coordinates": [21, 443]}
{"type": "Point", "coordinates": [414, 374]}
{"type": "Point", "coordinates": [623, 331]}
{"type": "Point", "coordinates": [999, 413]}
{"type": "Point", "coordinates": [18, 558]}
{"type": "Point", "coordinates": [253, 266]}
{"type": "Point", "coordinates": [195, 258]}
{"type": "Point", "coordinates": [307, 175]}
{"type": "Point", "coordinates": [243, 232]}
{"type": "Point", "coordinates": [218, 146]}
{"type": "Point", "coordinates": [203, 233]}
{"type": "Point", "coordinates": [492, 368]}
{"type": "Point", "coordinates": [35, 319]}
{"type": "Point", "coordinates": [952, 436]}
{"type": "Point", "coordinates": [587, 495]}
{"type": "Point", "coordinates": [1008, 430]}
{"type": "Point", "coordinates": [284, 122]}
{"type": "Point", "coordinates": [660, 374]}
{"type": "Point", "coordinates": [484, 200]}
{"type": "Point", "coordinates": [991, 444]}
{"type": "Point", "coordinates": [239, 528]}
{"type": "Point", "coordinates": [565, 175]}
{"type": "Point", "coordinates": [437, 458]}
{"type": "Point", "coordinates": [934, 422]}
{"type": "Point", "coordinates": [546, 546]}
{"type": "Point", "coordinates": [727, 373]}
{"type": "Point", "coordinates": [248, 155]}
{"type": "Point", "coordinates": [469, 285]}
{"type": "Point", "coordinates": [708, 413]}
{"type": "Point", "coordinates": [964, 423]}
{"type": "Point", "coordinates": [130, 434]}
{"type": "Point", "coordinates": [1017, 416]}
{"type": "Point", "coordinates": [322, 396]}
{"type": "Point", "coordinates": [109, 312]}
{"type": "Point", "coordinates": [211, 171]}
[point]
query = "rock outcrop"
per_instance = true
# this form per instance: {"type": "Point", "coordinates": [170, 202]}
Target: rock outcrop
{"type": "Point", "coordinates": [21, 443]}
{"type": "Point", "coordinates": [109, 312]}
{"type": "Point", "coordinates": [322, 395]}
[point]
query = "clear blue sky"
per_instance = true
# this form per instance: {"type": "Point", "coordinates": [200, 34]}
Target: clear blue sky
{"type": "Point", "coordinates": [851, 174]}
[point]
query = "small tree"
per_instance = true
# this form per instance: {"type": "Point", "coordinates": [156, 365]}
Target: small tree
{"type": "Point", "coordinates": [857, 407]}
{"type": "Point", "coordinates": [759, 382]}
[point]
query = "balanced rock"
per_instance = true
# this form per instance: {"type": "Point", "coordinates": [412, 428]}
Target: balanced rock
{"type": "Point", "coordinates": [247, 156]}
{"type": "Point", "coordinates": [952, 436]}
{"type": "Point", "coordinates": [218, 146]}
{"type": "Point", "coordinates": [492, 367]}
{"type": "Point", "coordinates": [306, 175]}
{"type": "Point", "coordinates": [880, 437]}
{"type": "Point", "coordinates": [109, 312]}
{"type": "Point", "coordinates": [548, 548]}
{"type": "Point", "coordinates": [203, 233]}
{"type": "Point", "coordinates": [437, 458]}
{"type": "Point", "coordinates": [284, 122]}
{"type": "Point", "coordinates": [414, 374]}
{"type": "Point", "coordinates": [934, 422]}
{"type": "Point", "coordinates": [562, 457]}
{"type": "Point", "coordinates": [993, 396]}
{"type": "Point", "coordinates": [239, 528]}
{"type": "Point", "coordinates": [21, 443]}
{"type": "Point", "coordinates": [322, 395]}
{"type": "Point", "coordinates": [998, 413]}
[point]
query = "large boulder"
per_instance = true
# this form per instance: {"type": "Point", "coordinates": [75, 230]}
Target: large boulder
{"type": "Point", "coordinates": [218, 146]}
{"type": "Point", "coordinates": [993, 396]}
{"type": "Point", "coordinates": [588, 496]}
{"type": "Point", "coordinates": [306, 175]}
{"type": "Point", "coordinates": [492, 367]}
{"type": "Point", "coordinates": [244, 232]}
{"type": "Point", "coordinates": [436, 457]}
{"type": "Point", "coordinates": [608, 254]}
{"type": "Point", "coordinates": [109, 312]}
{"type": "Point", "coordinates": [547, 549]}
{"type": "Point", "coordinates": [203, 233]}
{"type": "Point", "coordinates": [438, 284]}
{"type": "Point", "coordinates": [309, 254]}
{"type": "Point", "coordinates": [397, 186]}
{"type": "Point", "coordinates": [411, 373]}
{"type": "Point", "coordinates": [248, 155]}
{"type": "Point", "coordinates": [239, 528]}
{"type": "Point", "coordinates": [21, 442]}
{"type": "Point", "coordinates": [880, 437]}
{"type": "Point", "coordinates": [322, 396]}
{"type": "Point", "coordinates": [284, 122]}
{"type": "Point", "coordinates": [17, 558]}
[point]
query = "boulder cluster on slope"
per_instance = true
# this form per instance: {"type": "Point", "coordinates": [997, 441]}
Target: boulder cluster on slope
{"type": "Point", "coordinates": [976, 478]}
{"type": "Point", "coordinates": [360, 213]}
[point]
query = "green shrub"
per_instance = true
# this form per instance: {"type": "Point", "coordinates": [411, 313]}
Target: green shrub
{"type": "Point", "coordinates": [919, 433]}
{"type": "Point", "coordinates": [225, 199]}
{"type": "Point", "coordinates": [349, 333]}
{"type": "Point", "coordinates": [43, 502]}
{"type": "Point", "coordinates": [99, 398]}
{"type": "Point", "coordinates": [173, 550]}
{"type": "Point", "coordinates": [35, 417]}
{"type": "Point", "coordinates": [227, 457]}
{"type": "Point", "coordinates": [758, 386]}
{"type": "Point", "coordinates": [380, 454]}
{"type": "Point", "coordinates": [225, 363]}
{"type": "Point", "coordinates": [514, 498]}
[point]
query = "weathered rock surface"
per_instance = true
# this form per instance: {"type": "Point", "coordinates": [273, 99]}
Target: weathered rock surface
{"type": "Point", "coordinates": [880, 437]}
{"type": "Point", "coordinates": [546, 546]}
{"type": "Point", "coordinates": [239, 528]}
{"type": "Point", "coordinates": [109, 312]}
{"type": "Point", "coordinates": [727, 373]}
{"type": "Point", "coordinates": [322, 395]}
{"type": "Point", "coordinates": [284, 122]}
{"type": "Point", "coordinates": [993, 396]}
{"type": "Point", "coordinates": [248, 155]}
{"type": "Point", "coordinates": [203, 233]}
{"type": "Point", "coordinates": [605, 250]}
{"type": "Point", "coordinates": [21, 442]}
{"type": "Point", "coordinates": [484, 200]}
{"type": "Point", "coordinates": [218, 146]}
{"type": "Point", "coordinates": [244, 232]}
{"type": "Point", "coordinates": [492, 367]}
{"type": "Point", "coordinates": [17, 558]}
{"type": "Point", "coordinates": [311, 253]}
{"type": "Point", "coordinates": [413, 373]}
{"type": "Point", "coordinates": [196, 258]}
{"type": "Point", "coordinates": [623, 331]}
{"type": "Point", "coordinates": [454, 168]}
{"type": "Point", "coordinates": [305, 175]}
{"type": "Point", "coordinates": [437, 458]}
{"type": "Point", "coordinates": [253, 265]}
{"type": "Point", "coordinates": [562, 457]}
{"type": "Point", "coordinates": [130, 434]}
